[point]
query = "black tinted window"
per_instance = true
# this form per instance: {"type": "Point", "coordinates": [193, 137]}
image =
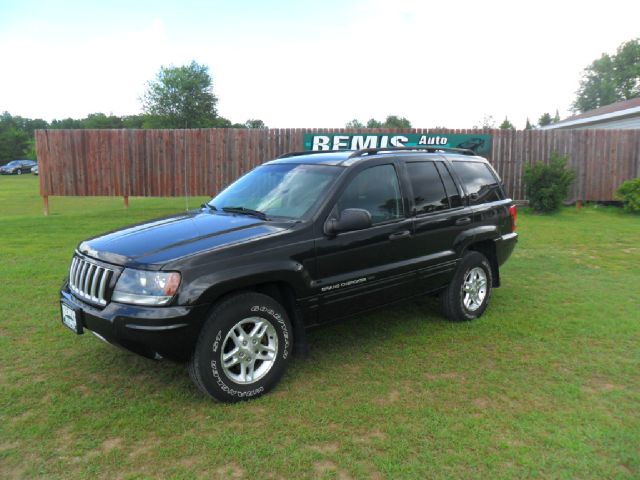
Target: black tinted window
{"type": "Point", "coordinates": [376, 190]}
{"type": "Point", "coordinates": [428, 192]}
{"type": "Point", "coordinates": [479, 182]}
{"type": "Point", "coordinates": [455, 200]}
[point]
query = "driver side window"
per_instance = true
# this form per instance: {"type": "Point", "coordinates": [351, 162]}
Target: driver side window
{"type": "Point", "coordinates": [376, 190]}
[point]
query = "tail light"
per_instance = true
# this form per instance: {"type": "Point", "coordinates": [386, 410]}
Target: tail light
{"type": "Point", "coordinates": [513, 212]}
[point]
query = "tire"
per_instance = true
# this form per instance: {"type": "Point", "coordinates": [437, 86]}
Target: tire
{"type": "Point", "coordinates": [261, 356]}
{"type": "Point", "coordinates": [467, 296]}
{"type": "Point", "coordinates": [19, 172]}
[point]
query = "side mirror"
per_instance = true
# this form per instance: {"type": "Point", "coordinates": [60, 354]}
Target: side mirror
{"type": "Point", "coordinates": [350, 219]}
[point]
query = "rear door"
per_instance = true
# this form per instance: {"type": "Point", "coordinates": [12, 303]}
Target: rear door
{"type": "Point", "coordinates": [363, 269]}
{"type": "Point", "coordinates": [439, 217]}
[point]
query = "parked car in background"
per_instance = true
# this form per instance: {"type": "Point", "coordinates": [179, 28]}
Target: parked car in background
{"type": "Point", "coordinates": [35, 170]}
{"type": "Point", "coordinates": [17, 167]}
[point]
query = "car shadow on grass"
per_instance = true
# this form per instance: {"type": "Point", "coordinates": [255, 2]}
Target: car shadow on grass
{"type": "Point", "coordinates": [351, 337]}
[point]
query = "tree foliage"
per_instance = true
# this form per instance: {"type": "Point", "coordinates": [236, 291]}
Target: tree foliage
{"type": "Point", "coordinates": [506, 125]}
{"type": "Point", "coordinates": [487, 123]}
{"type": "Point", "coordinates": [528, 125]}
{"type": "Point", "coordinates": [354, 124]}
{"type": "Point", "coordinates": [181, 97]}
{"type": "Point", "coordinates": [255, 124]}
{"type": "Point", "coordinates": [610, 78]}
{"type": "Point", "coordinates": [548, 185]}
{"type": "Point", "coordinates": [392, 121]}
{"type": "Point", "coordinates": [545, 120]}
{"type": "Point", "coordinates": [629, 193]}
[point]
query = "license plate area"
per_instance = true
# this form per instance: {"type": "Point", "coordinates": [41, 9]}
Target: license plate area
{"type": "Point", "coordinates": [71, 318]}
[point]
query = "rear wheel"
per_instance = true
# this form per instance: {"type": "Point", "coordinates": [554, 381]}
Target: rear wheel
{"type": "Point", "coordinates": [244, 348]}
{"type": "Point", "coordinates": [468, 294]}
{"type": "Point", "coordinates": [19, 172]}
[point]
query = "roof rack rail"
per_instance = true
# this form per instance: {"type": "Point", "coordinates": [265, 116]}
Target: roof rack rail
{"type": "Point", "coordinates": [427, 148]}
{"type": "Point", "coordinates": [309, 152]}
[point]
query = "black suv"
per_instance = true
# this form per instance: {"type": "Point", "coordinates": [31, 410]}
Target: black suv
{"type": "Point", "coordinates": [302, 240]}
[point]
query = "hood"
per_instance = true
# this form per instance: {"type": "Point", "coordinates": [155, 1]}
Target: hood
{"type": "Point", "coordinates": [166, 239]}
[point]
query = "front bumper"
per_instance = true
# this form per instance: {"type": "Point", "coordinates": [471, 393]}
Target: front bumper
{"type": "Point", "coordinates": [168, 331]}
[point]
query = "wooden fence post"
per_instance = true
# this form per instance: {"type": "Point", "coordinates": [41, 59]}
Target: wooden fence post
{"type": "Point", "coordinates": [45, 200]}
{"type": "Point", "coordinates": [126, 201]}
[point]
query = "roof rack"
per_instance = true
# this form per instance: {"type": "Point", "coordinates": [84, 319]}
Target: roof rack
{"type": "Point", "coordinates": [429, 149]}
{"type": "Point", "coordinates": [309, 152]}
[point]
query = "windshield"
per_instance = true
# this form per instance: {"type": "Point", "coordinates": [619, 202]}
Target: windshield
{"type": "Point", "coordinates": [281, 190]}
{"type": "Point", "coordinates": [15, 163]}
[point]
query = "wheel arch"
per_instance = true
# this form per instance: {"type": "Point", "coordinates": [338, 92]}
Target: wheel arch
{"type": "Point", "coordinates": [488, 249]}
{"type": "Point", "coordinates": [283, 293]}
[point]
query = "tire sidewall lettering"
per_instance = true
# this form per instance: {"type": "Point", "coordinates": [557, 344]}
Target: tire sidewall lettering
{"type": "Point", "coordinates": [219, 376]}
{"type": "Point", "coordinates": [280, 321]}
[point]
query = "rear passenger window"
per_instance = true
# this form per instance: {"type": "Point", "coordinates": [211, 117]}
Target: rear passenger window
{"type": "Point", "coordinates": [479, 182]}
{"type": "Point", "coordinates": [455, 200]}
{"type": "Point", "coordinates": [429, 194]}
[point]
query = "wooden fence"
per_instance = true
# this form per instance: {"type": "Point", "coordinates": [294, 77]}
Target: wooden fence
{"type": "Point", "coordinates": [202, 161]}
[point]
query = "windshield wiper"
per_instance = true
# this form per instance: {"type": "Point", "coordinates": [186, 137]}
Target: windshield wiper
{"type": "Point", "coordinates": [208, 206]}
{"type": "Point", "coordinates": [246, 211]}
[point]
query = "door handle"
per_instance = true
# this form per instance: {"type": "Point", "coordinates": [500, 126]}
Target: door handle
{"type": "Point", "coordinates": [463, 221]}
{"type": "Point", "coordinates": [399, 235]}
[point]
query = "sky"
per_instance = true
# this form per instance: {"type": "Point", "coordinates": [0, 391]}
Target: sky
{"type": "Point", "coordinates": [310, 63]}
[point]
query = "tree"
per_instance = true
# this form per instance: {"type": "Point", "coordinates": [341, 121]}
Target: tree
{"type": "Point", "coordinates": [354, 124]}
{"type": "Point", "coordinates": [544, 120]}
{"type": "Point", "coordinates": [373, 123]}
{"type": "Point", "coordinates": [14, 139]}
{"type": "Point", "coordinates": [610, 78]}
{"type": "Point", "coordinates": [528, 125]}
{"type": "Point", "coordinates": [506, 125]}
{"type": "Point", "coordinates": [181, 97]}
{"type": "Point", "coordinates": [100, 120]}
{"type": "Point", "coordinates": [133, 121]}
{"type": "Point", "coordinates": [487, 123]}
{"type": "Point", "coordinates": [255, 123]}
{"type": "Point", "coordinates": [66, 123]}
{"type": "Point", "coordinates": [556, 117]}
{"type": "Point", "coordinates": [393, 121]}
{"type": "Point", "coordinates": [627, 70]}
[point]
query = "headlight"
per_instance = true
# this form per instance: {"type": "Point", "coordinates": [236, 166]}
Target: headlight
{"type": "Point", "coordinates": [143, 287]}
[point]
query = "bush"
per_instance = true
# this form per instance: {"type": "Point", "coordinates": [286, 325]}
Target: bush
{"type": "Point", "coordinates": [548, 185]}
{"type": "Point", "coordinates": [629, 193]}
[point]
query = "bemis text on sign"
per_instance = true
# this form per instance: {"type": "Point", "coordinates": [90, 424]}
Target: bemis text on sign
{"type": "Point", "coordinates": [479, 143]}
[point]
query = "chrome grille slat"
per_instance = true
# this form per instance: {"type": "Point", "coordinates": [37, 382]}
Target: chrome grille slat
{"type": "Point", "coordinates": [77, 272]}
{"type": "Point", "coordinates": [94, 282]}
{"type": "Point", "coordinates": [88, 280]}
{"type": "Point", "coordinates": [103, 283]}
{"type": "Point", "coordinates": [72, 271]}
{"type": "Point", "coordinates": [85, 278]}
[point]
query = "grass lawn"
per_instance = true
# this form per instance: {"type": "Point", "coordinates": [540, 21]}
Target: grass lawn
{"type": "Point", "coordinates": [546, 384]}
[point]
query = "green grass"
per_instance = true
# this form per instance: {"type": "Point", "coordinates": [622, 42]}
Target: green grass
{"type": "Point", "coordinates": [546, 384]}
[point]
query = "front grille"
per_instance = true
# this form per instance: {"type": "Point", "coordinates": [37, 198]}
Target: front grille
{"type": "Point", "coordinates": [89, 281]}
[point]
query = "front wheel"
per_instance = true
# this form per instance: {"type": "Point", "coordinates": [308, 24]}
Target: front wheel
{"type": "Point", "coordinates": [243, 349]}
{"type": "Point", "coordinates": [468, 294]}
{"type": "Point", "coordinates": [19, 172]}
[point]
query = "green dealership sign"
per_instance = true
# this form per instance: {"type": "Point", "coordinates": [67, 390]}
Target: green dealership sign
{"type": "Point", "coordinates": [481, 144]}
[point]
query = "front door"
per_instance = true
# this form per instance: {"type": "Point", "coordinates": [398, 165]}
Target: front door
{"type": "Point", "coordinates": [366, 268]}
